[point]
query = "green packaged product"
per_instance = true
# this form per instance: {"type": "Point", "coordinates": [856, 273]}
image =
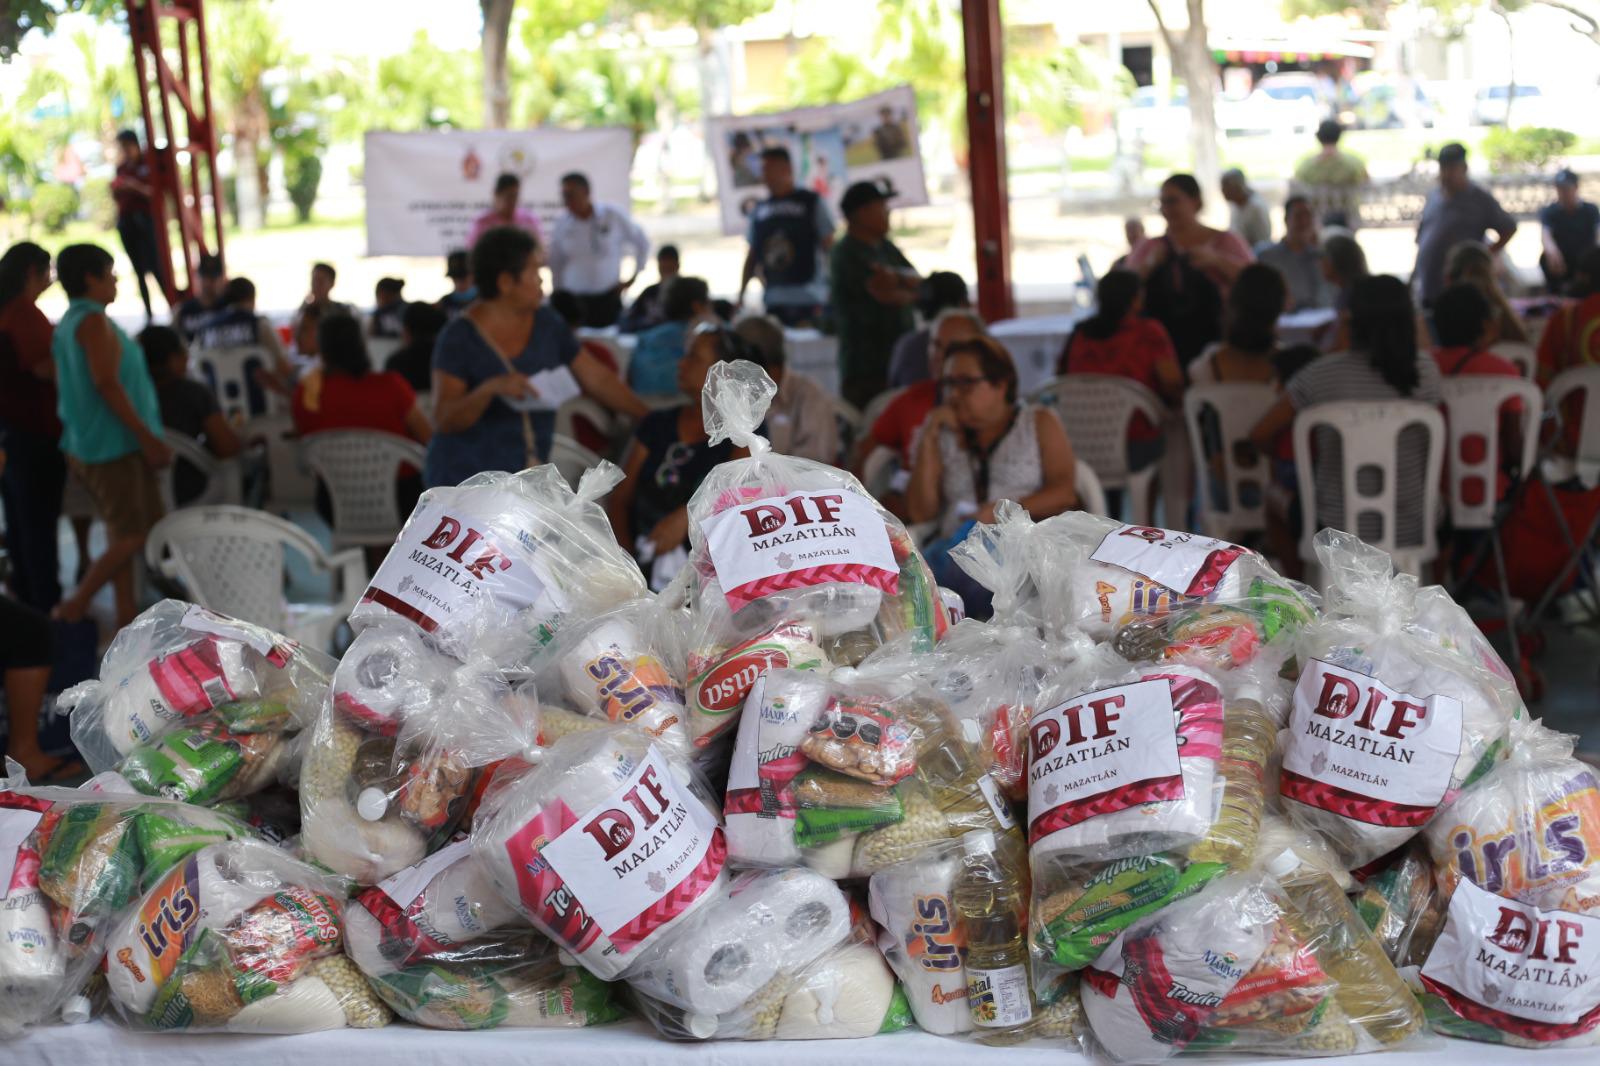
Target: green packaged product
{"type": "Point", "coordinates": [88, 864]}
{"type": "Point", "coordinates": [164, 840]}
{"type": "Point", "coordinates": [816, 827]}
{"type": "Point", "coordinates": [1078, 922]}
{"type": "Point", "coordinates": [254, 716]}
{"type": "Point", "coordinates": [898, 1016]}
{"type": "Point", "coordinates": [192, 764]}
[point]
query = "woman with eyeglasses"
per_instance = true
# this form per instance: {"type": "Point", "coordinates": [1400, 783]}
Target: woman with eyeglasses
{"type": "Point", "coordinates": [671, 454]}
{"type": "Point", "coordinates": [30, 432]}
{"type": "Point", "coordinates": [979, 446]}
{"type": "Point", "coordinates": [1187, 269]}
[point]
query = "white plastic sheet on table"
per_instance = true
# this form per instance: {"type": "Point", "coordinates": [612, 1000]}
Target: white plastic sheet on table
{"type": "Point", "coordinates": [633, 1043]}
{"type": "Point", "coordinates": [1035, 344]}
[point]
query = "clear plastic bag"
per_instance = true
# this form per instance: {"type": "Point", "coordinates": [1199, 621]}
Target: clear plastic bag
{"type": "Point", "coordinates": [238, 937]}
{"type": "Point", "coordinates": [1387, 723]}
{"type": "Point", "coordinates": [913, 903]}
{"type": "Point", "coordinates": [619, 665]}
{"type": "Point", "coordinates": [85, 856]}
{"type": "Point", "coordinates": [392, 763]}
{"type": "Point", "coordinates": [1247, 965]}
{"type": "Point", "coordinates": [178, 661]}
{"type": "Point", "coordinates": [607, 846]}
{"type": "Point", "coordinates": [852, 772]}
{"type": "Point", "coordinates": [493, 565]}
{"type": "Point", "coordinates": [777, 539]}
{"type": "Point", "coordinates": [729, 967]}
{"type": "Point", "coordinates": [457, 956]}
{"type": "Point", "coordinates": [1514, 954]}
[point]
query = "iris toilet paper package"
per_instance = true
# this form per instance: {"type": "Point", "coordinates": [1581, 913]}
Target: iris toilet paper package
{"type": "Point", "coordinates": [913, 903]}
{"type": "Point", "coordinates": [492, 565]}
{"type": "Point", "coordinates": [238, 937]}
{"type": "Point", "coordinates": [177, 661]}
{"type": "Point", "coordinates": [607, 846]}
{"type": "Point", "coordinates": [1386, 725]}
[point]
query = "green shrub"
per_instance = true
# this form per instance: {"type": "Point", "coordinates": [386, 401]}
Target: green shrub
{"type": "Point", "coordinates": [1528, 148]}
{"type": "Point", "coordinates": [302, 173]}
{"type": "Point", "coordinates": [53, 206]}
{"type": "Point", "coordinates": [99, 206]}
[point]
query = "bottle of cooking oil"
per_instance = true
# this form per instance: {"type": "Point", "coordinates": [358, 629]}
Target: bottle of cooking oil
{"type": "Point", "coordinates": [989, 906]}
{"type": "Point", "coordinates": [1372, 993]}
{"type": "Point", "coordinates": [1248, 734]}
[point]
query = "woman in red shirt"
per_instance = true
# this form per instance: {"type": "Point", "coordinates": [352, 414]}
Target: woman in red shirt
{"type": "Point", "coordinates": [346, 393]}
{"type": "Point", "coordinates": [30, 433]}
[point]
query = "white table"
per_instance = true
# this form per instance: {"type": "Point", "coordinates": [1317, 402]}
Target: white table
{"type": "Point", "coordinates": [634, 1044]}
{"type": "Point", "coordinates": [1035, 344]}
{"type": "Point", "coordinates": [1311, 326]}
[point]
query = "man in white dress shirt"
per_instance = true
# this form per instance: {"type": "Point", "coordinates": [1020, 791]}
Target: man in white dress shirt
{"type": "Point", "coordinates": [587, 244]}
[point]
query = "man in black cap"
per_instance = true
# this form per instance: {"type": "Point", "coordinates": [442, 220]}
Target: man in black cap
{"type": "Point", "coordinates": [192, 313]}
{"type": "Point", "coordinates": [1458, 210]}
{"type": "Point", "coordinates": [873, 288]}
{"type": "Point", "coordinates": [1568, 229]}
{"type": "Point", "coordinates": [459, 270]}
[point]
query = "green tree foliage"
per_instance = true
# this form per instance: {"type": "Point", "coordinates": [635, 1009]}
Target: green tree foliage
{"type": "Point", "coordinates": [18, 18]}
{"type": "Point", "coordinates": [425, 87]}
{"type": "Point", "coordinates": [1528, 148]}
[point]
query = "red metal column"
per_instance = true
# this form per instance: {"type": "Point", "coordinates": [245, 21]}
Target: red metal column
{"type": "Point", "coordinates": [986, 153]}
{"type": "Point", "coordinates": [182, 149]}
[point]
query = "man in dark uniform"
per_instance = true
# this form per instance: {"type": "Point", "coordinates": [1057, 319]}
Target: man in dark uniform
{"type": "Point", "coordinates": [789, 233]}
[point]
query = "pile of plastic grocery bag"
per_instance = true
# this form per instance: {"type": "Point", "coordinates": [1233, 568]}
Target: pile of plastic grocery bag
{"type": "Point", "coordinates": [1166, 802]}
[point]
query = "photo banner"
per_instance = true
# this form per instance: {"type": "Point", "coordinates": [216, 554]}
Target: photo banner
{"type": "Point", "coordinates": [426, 190]}
{"type": "Point", "coordinates": [832, 146]}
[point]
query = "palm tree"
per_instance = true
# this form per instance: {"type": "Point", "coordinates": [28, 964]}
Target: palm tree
{"type": "Point", "coordinates": [246, 47]}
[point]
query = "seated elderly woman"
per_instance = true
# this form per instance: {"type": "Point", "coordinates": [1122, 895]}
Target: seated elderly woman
{"type": "Point", "coordinates": [670, 455]}
{"type": "Point", "coordinates": [979, 446]}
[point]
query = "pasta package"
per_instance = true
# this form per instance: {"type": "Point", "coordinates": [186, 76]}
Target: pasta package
{"type": "Point", "coordinates": [1516, 956]}
{"type": "Point", "coordinates": [493, 565]}
{"type": "Point", "coordinates": [178, 661]}
{"type": "Point", "coordinates": [607, 846]}
{"type": "Point", "coordinates": [1386, 725]}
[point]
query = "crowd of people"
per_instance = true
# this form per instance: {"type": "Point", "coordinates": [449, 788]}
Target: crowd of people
{"type": "Point", "coordinates": [943, 412]}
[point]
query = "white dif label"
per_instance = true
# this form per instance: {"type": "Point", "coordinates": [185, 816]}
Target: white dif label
{"type": "Point", "coordinates": [198, 619]}
{"type": "Point", "coordinates": [630, 850]}
{"type": "Point", "coordinates": [1351, 732]}
{"type": "Point", "coordinates": [1185, 562]}
{"type": "Point", "coordinates": [806, 538]}
{"type": "Point", "coordinates": [1516, 959]}
{"type": "Point", "coordinates": [444, 560]}
{"type": "Point", "coordinates": [1086, 753]}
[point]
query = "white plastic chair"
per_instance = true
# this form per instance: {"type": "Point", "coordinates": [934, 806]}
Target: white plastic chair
{"type": "Point", "coordinates": [1091, 497]}
{"type": "Point", "coordinates": [231, 559]}
{"type": "Point", "coordinates": [1522, 355]}
{"type": "Point", "coordinates": [229, 371]}
{"type": "Point", "coordinates": [571, 458]}
{"type": "Point", "coordinates": [1584, 382]}
{"type": "Point", "coordinates": [359, 467]}
{"type": "Point", "coordinates": [379, 349]}
{"type": "Point", "coordinates": [223, 481]}
{"type": "Point", "coordinates": [878, 470]}
{"type": "Point", "coordinates": [1096, 409]}
{"type": "Point", "coordinates": [1236, 407]}
{"type": "Point", "coordinates": [879, 404]}
{"type": "Point", "coordinates": [1369, 438]}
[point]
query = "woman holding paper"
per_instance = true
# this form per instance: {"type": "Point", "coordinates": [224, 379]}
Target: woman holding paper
{"type": "Point", "coordinates": [502, 367]}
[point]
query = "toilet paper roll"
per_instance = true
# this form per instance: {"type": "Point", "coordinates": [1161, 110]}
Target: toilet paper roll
{"type": "Point", "coordinates": [387, 673]}
{"type": "Point", "coordinates": [759, 808]}
{"type": "Point", "coordinates": [611, 672]}
{"type": "Point", "coordinates": [144, 947]}
{"type": "Point", "coordinates": [914, 906]}
{"type": "Point", "coordinates": [307, 1005]}
{"type": "Point", "coordinates": [557, 836]}
{"type": "Point", "coordinates": [768, 924]}
{"type": "Point", "coordinates": [844, 994]}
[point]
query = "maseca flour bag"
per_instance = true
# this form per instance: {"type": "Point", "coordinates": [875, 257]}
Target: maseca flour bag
{"type": "Point", "coordinates": [1517, 860]}
{"type": "Point", "coordinates": [1386, 724]}
{"type": "Point", "coordinates": [606, 846]}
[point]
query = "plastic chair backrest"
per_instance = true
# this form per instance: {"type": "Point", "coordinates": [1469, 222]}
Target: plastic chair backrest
{"type": "Point", "coordinates": [571, 458]}
{"type": "Point", "coordinates": [186, 449]}
{"type": "Point", "coordinates": [231, 374]}
{"type": "Point", "coordinates": [1472, 406]}
{"type": "Point", "coordinates": [230, 559]}
{"type": "Point", "coordinates": [1584, 382]}
{"type": "Point", "coordinates": [1096, 410]}
{"type": "Point", "coordinates": [878, 470]}
{"type": "Point", "coordinates": [1521, 354]}
{"type": "Point", "coordinates": [1243, 474]}
{"type": "Point", "coordinates": [359, 467]}
{"type": "Point", "coordinates": [879, 404]}
{"type": "Point", "coordinates": [379, 349]}
{"type": "Point", "coordinates": [1091, 497]}
{"type": "Point", "coordinates": [1369, 439]}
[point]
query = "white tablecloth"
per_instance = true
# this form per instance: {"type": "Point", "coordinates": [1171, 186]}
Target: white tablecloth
{"type": "Point", "coordinates": [633, 1044]}
{"type": "Point", "coordinates": [1312, 326]}
{"type": "Point", "coordinates": [1035, 344]}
